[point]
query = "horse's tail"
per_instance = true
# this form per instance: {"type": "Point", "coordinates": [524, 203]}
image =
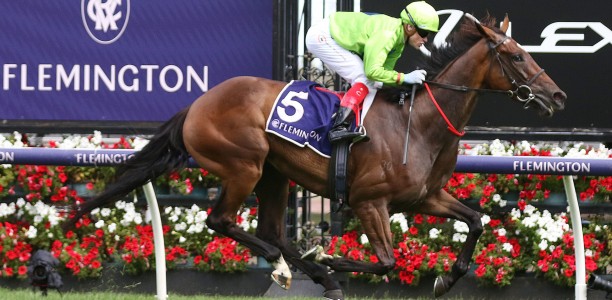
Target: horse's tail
{"type": "Point", "coordinates": [164, 152]}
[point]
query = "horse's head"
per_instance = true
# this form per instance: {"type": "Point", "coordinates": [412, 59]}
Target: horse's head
{"type": "Point", "coordinates": [514, 69]}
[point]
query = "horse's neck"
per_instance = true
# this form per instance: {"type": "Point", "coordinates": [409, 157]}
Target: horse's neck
{"type": "Point", "coordinates": [467, 70]}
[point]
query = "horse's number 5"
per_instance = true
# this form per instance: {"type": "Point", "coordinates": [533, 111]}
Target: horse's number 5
{"type": "Point", "coordinates": [289, 101]}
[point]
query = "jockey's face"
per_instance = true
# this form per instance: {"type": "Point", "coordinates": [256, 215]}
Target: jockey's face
{"type": "Point", "coordinates": [414, 39]}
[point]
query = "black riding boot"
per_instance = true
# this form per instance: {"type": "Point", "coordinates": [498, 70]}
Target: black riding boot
{"type": "Point", "coordinates": [340, 131]}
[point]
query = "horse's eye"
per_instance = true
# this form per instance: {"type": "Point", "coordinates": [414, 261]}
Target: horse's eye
{"type": "Point", "coordinates": [517, 58]}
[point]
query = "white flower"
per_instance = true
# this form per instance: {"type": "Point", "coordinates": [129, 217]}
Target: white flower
{"type": "Point", "coordinates": [515, 213]}
{"type": "Point", "coordinates": [139, 143]}
{"type": "Point", "coordinates": [461, 226]}
{"type": "Point", "coordinates": [503, 203]}
{"type": "Point", "coordinates": [97, 138]}
{"type": "Point", "coordinates": [485, 219]}
{"type": "Point", "coordinates": [105, 212]}
{"type": "Point", "coordinates": [201, 217]}
{"type": "Point", "coordinates": [401, 220]}
{"type": "Point", "coordinates": [459, 237]}
{"type": "Point", "coordinates": [99, 224]}
{"type": "Point", "coordinates": [182, 239]}
{"type": "Point", "coordinates": [588, 253]}
{"type": "Point", "coordinates": [501, 232]}
{"type": "Point", "coordinates": [112, 227]}
{"type": "Point", "coordinates": [138, 219]}
{"type": "Point", "coordinates": [507, 247]}
{"type": "Point", "coordinates": [434, 233]}
{"type": "Point", "coordinates": [496, 198]}
{"type": "Point", "coordinates": [364, 239]}
{"type": "Point", "coordinates": [38, 219]}
{"type": "Point", "coordinates": [120, 204]}
{"type": "Point", "coordinates": [180, 226]}
{"type": "Point", "coordinates": [529, 209]}
{"type": "Point", "coordinates": [32, 232]}
{"type": "Point", "coordinates": [543, 245]}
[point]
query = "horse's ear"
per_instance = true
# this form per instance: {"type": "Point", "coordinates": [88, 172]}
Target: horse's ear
{"type": "Point", "coordinates": [486, 32]}
{"type": "Point", "coordinates": [505, 24]}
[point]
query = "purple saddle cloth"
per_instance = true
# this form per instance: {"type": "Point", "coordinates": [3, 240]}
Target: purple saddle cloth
{"type": "Point", "coordinates": [302, 115]}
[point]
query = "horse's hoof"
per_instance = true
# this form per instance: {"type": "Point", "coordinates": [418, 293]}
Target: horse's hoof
{"type": "Point", "coordinates": [333, 295]}
{"type": "Point", "coordinates": [283, 281]}
{"type": "Point", "coordinates": [440, 287]}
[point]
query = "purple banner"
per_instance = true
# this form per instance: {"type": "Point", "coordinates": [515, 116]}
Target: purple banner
{"type": "Point", "coordinates": [123, 60]}
{"type": "Point", "coordinates": [465, 163]}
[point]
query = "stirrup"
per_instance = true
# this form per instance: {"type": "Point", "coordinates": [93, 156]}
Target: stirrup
{"type": "Point", "coordinates": [342, 133]}
{"type": "Point", "coordinates": [363, 137]}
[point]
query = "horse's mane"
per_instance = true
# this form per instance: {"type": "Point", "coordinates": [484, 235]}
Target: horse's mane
{"type": "Point", "coordinates": [457, 43]}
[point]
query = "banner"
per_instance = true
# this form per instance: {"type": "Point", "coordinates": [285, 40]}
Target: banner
{"type": "Point", "coordinates": [571, 41]}
{"type": "Point", "coordinates": [122, 60]}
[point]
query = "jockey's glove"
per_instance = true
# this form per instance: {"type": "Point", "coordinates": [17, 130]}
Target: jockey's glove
{"type": "Point", "coordinates": [415, 77]}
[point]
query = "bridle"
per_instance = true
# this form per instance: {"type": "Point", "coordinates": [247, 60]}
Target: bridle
{"type": "Point", "coordinates": [522, 92]}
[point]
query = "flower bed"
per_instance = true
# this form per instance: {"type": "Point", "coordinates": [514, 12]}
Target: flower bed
{"type": "Point", "coordinates": [523, 239]}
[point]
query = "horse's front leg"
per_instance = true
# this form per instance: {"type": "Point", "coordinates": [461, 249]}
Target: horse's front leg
{"type": "Point", "coordinates": [374, 218]}
{"type": "Point", "coordinates": [444, 205]}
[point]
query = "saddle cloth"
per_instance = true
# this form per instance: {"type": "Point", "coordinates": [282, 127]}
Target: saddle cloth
{"type": "Point", "coordinates": [302, 114]}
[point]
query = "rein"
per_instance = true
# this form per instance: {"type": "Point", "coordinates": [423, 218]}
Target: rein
{"type": "Point", "coordinates": [522, 92]}
{"type": "Point", "coordinates": [450, 126]}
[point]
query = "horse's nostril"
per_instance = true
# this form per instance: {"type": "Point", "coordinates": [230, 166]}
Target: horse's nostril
{"type": "Point", "coordinates": [559, 98]}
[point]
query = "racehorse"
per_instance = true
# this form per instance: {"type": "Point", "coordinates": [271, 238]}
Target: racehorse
{"type": "Point", "coordinates": [224, 132]}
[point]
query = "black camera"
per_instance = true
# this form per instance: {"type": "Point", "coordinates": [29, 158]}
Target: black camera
{"type": "Point", "coordinates": [42, 271]}
{"type": "Point", "coordinates": [598, 283]}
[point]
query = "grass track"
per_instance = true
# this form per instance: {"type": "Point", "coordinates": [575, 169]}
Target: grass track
{"type": "Point", "coordinates": [30, 294]}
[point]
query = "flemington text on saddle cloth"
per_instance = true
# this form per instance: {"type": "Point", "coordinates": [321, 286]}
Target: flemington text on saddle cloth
{"type": "Point", "coordinates": [302, 114]}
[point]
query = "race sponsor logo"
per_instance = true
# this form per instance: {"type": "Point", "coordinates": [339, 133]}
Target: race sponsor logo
{"type": "Point", "coordinates": [554, 35]}
{"type": "Point", "coordinates": [105, 20]}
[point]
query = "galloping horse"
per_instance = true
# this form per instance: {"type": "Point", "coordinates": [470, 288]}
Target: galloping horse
{"type": "Point", "coordinates": [224, 131]}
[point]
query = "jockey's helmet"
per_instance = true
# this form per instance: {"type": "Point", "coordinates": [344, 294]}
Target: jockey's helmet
{"type": "Point", "coordinates": [421, 15]}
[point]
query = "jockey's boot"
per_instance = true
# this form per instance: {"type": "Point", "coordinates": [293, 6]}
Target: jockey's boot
{"type": "Point", "coordinates": [349, 110]}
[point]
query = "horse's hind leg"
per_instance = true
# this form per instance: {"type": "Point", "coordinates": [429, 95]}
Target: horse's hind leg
{"type": "Point", "coordinates": [272, 191]}
{"type": "Point", "coordinates": [222, 219]}
{"type": "Point", "coordinates": [445, 205]}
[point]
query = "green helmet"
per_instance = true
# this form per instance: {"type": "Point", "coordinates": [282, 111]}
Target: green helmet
{"type": "Point", "coordinates": [421, 13]}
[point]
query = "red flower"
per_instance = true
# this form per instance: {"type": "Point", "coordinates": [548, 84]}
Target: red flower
{"type": "Point", "coordinates": [414, 230]}
{"type": "Point", "coordinates": [521, 204]}
{"type": "Point", "coordinates": [480, 271]}
{"type": "Point", "coordinates": [22, 270]}
{"type": "Point", "coordinates": [418, 219]}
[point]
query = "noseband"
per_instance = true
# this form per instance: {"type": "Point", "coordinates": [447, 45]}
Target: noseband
{"type": "Point", "coordinates": [523, 92]}
{"type": "Point", "coordinates": [520, 90]}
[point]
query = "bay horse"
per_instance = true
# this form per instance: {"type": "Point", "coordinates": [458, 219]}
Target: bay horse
{"type": "Point", "coordinates": [224, 132]}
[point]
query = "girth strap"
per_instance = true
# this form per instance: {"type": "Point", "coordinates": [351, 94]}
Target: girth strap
{"type": "Point", "coordinates": [338, 166]}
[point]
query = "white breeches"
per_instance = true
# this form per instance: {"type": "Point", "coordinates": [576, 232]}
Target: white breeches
{"type": "Point", "coordinates": [345, 63]}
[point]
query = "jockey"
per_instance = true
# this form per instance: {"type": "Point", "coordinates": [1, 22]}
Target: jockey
{"type": "Point", "coordinates": [363, 49]}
